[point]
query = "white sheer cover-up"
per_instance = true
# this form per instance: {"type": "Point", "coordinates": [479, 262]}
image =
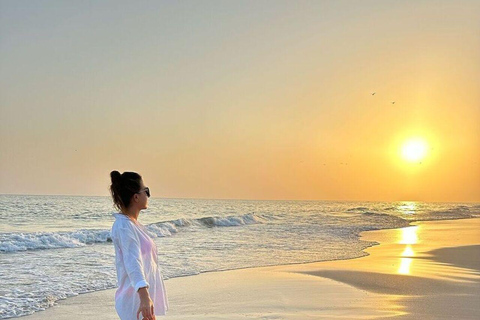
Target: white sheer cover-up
{"type": "Point", "coordinates": [137, 266]}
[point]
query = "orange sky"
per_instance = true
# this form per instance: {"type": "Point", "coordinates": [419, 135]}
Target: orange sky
{"type": "Point", "coordinates": [246, 100]}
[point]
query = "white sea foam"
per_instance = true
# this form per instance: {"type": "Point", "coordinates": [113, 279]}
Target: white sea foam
{"type": "Point", "coordinates": [231, 221]}
{"type": "Point", "coordinates": [13, 242]}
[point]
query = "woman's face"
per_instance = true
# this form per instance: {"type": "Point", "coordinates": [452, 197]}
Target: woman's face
{"type": "Point", "coordinates": [142, 197]}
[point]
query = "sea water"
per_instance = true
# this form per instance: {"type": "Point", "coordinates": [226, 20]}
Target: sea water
{"type": "Point", "coordinates": [56, 247]}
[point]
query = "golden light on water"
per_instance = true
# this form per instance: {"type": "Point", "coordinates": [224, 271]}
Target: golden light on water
{"type": "Point", "coordinates": [405, 265]}
{"type": "Point", "coordinates": [414, 150]}
{"type": "Point", "coordinates": [408, 252]}
{"type": "Point", "coordinates": [409, 238]}
{"type": "Point", "coordinates": [407, 207]}
{"type": "Point", "coordinates": [409, 235]}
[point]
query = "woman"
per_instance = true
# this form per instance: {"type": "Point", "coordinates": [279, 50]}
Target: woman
{"type": "Point", "coordinates": [140, 284]}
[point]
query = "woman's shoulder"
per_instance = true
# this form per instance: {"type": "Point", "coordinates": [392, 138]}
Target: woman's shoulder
{"type": "Point", "coordinates": [122, 222]}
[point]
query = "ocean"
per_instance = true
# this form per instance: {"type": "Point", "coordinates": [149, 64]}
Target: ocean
{"type": "Point", "coordinates": [56, 247]}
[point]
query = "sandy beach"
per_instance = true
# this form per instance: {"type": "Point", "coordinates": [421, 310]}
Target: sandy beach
{"type": "Point", "coordinates": [430, 270]}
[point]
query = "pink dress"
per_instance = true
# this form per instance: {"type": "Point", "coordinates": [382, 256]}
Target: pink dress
{"type": "Point", "coordinates": [136, 261]}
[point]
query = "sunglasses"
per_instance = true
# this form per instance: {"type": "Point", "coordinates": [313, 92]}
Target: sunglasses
{"type": "Point", "coordinates": [147, 191]}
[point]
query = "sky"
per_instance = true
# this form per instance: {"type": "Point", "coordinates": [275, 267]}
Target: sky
{"type": "Point", "coordinates": [242, 99]}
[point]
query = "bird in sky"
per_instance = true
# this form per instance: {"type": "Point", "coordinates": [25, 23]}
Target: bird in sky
{"type": "Point", "coordinates": [373, 93]}
{"type": "Point", "coordinates": [393, 102]}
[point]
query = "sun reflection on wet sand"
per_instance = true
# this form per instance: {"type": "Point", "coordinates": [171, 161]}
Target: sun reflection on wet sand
{"type": "Point", "coordinates": [404, 265]}
{"type": "Point", "coordinates": [408, 252]}
{"type": "Point", "coordinates": [409, 235]}
{"type": "Point", "coordinates": [409, 238]}
{"type": "Point", "coordinates": [406, 260]}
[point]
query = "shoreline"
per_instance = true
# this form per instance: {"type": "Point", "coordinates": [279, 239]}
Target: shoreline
{"type": "Point", "coordinates": [413, 271]}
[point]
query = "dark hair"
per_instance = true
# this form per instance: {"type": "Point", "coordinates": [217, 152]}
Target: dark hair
{"type": "Point", "coordinates": [123, 187]}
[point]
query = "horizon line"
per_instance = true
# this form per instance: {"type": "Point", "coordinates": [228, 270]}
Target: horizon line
{"type": "Point", "coordinates": [239, 199]}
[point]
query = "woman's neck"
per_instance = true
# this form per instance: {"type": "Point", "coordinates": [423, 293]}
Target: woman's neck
{"type": "Point", "coordinates": [132, 213]}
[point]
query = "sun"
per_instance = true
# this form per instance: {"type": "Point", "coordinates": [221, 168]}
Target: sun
{"type": "Point", "coordinates": [414, 150]}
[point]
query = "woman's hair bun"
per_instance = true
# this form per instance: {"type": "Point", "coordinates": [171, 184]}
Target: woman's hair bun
{"type": "Point", "coordinates": [115, 176]}
{"type": "Point", "coordinates": [123, 187]}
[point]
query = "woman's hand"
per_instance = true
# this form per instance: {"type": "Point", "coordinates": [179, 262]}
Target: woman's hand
{"type": "Point", "coordinates": [146, 305]}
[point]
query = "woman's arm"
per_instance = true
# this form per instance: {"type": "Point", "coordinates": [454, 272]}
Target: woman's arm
{"type": "Point", "coordinates": [132, 257]}
{"type": "Point", "coordinates": [146, 305]}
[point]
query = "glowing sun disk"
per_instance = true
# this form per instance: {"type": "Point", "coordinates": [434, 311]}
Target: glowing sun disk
{"type": "Point", "coordinates": [414, 150]}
